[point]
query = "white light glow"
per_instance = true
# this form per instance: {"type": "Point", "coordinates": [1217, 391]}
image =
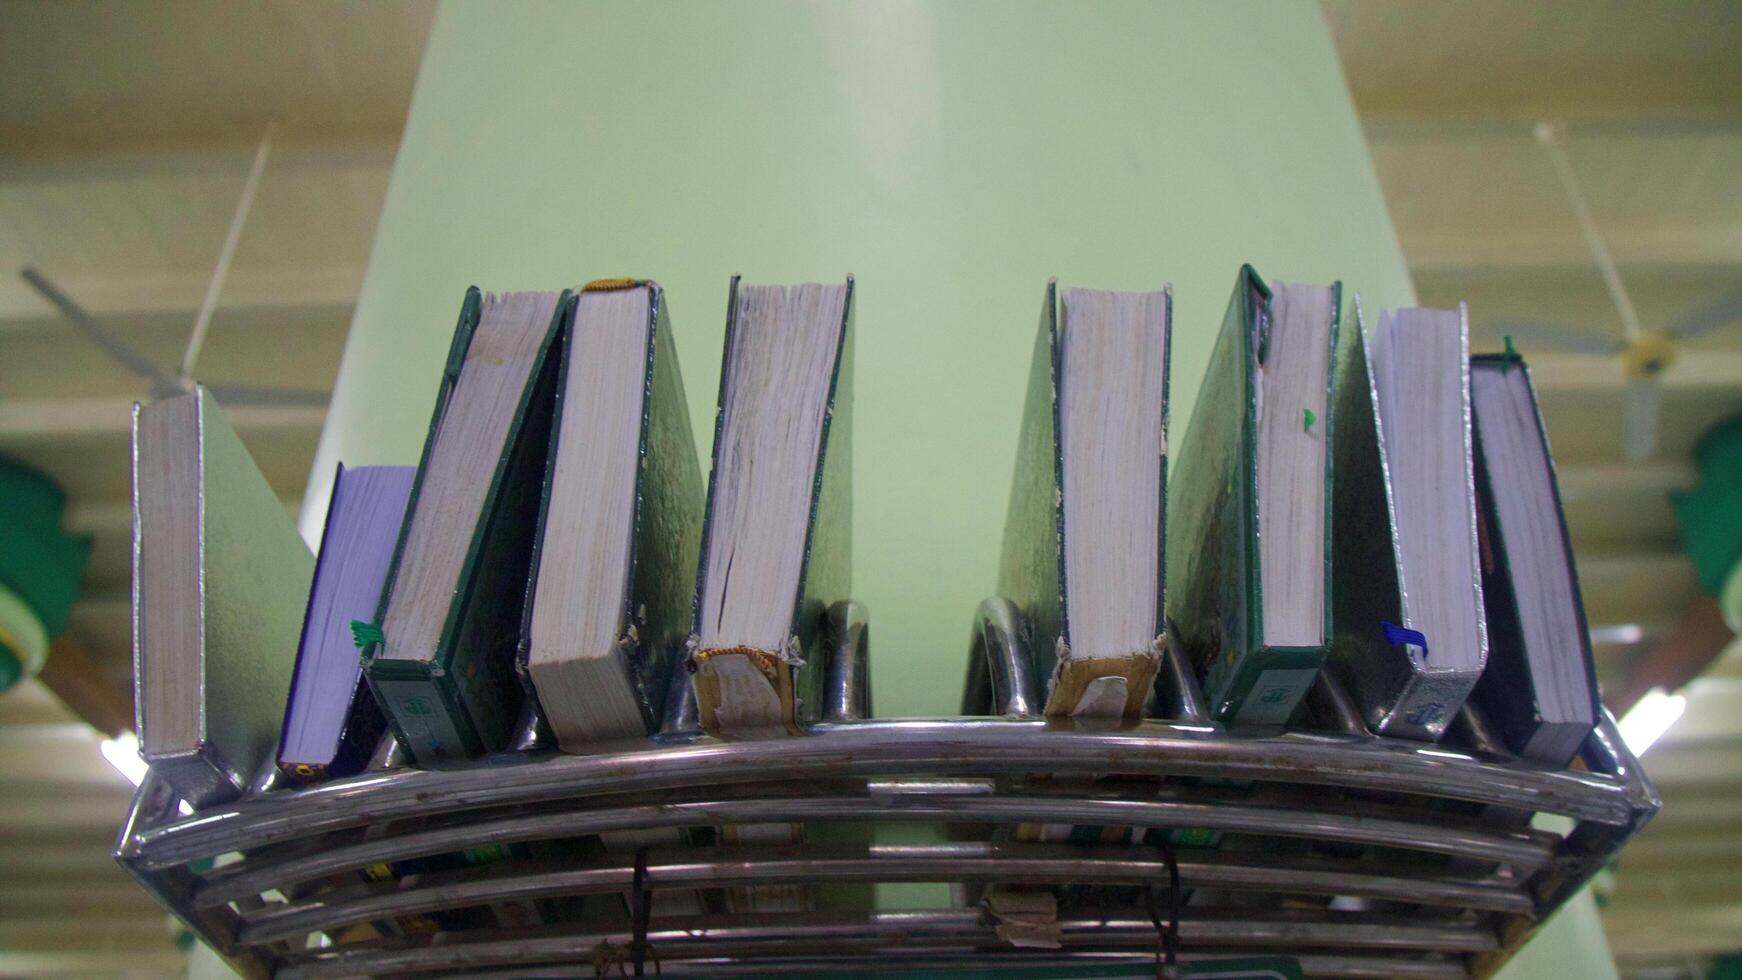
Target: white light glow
{"type": "Point", "coordinates": [122, 752]}
{"type": "Point", "coordinates": [1647, 720]}
{"type": "Point", "coordinates": [1621, 634]}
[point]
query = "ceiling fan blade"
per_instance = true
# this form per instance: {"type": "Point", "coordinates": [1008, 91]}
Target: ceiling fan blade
{"type": "Point", "coordinates": [1722, 313]}
{"type": "Point", "coordinates": [244, 394]}
{"type": "Point", "coordinates": [99, 335]}
{"type": "Point", "coordinates": [1553, 337]}
{"type": "Point", "coordinates": [1640, 402]}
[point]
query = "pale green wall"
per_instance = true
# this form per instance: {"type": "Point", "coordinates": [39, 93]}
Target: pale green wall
{"type": "Point", "coordinates": [951, 156]}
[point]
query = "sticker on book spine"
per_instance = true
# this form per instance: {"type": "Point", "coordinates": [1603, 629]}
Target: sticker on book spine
{"type": "Point", "coordinates": [1274, 695]}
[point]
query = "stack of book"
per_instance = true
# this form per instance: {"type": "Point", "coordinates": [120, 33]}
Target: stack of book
{"type": "Point", "coordinates": [1372, 502]}
{"type": "Point", "coordinates": [1364, 499]}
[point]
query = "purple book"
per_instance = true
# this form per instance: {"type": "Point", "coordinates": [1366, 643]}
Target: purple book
{"type": "Point", "coordinates": [331, 722]}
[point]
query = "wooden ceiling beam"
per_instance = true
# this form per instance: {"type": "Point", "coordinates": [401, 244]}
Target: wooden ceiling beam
{"type": "Point", "coordinates": [74, 675]}
{"type": "Point", "coordinates": [1692, 643]}
{"type": "Point", "coordinates": [43, 418]}
{"type": "Point", "coordinates": [181, 292]}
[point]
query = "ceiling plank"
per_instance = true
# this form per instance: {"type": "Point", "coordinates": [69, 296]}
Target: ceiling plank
{"type": "Point", "coordinates": [218, 158]}
{"type": "Point", "coordinates": [59, 418]}
{"type": "Point", "coordinates": [1476, 250]}
{"type": "Point", "coordinates": [182, 291]}
{"type": "Point", "coordinates": [1717, 370]}
{"type": "Point", "coordinates": [75, 677]}
{"type": "Point", "coordinates": [1696, 639]}
{"type": "Point", "coordinates": [158, 958]}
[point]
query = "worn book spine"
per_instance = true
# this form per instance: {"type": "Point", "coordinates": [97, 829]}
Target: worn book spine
{"type": "Point", "coordinates": [1031, 568]}
{"type": "Point", "coordinates": [464, 700]}
{"type": "Point", "coordinates": [824, 578]}
{"type": "Point", "coordinates": [794, 674]}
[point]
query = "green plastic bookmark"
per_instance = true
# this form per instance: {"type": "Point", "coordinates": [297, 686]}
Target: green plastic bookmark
{"type": "Point", "coordinates": [364, 634]}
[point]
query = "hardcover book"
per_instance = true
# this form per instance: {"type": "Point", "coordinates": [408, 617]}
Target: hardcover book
{"type": "Point", "coordinates": [776, 542]}
{"type": "Point", "coordinates": [620, 523]}
{"type": "Point", "coordinates": [1540, 685]}
{"type": "Point", "coordinates": [1083, 539]}
{"type": "Point", "coordinates": [1410, 639]}
{"type": "Point", "coordinates": [451, 614]}
{"type": "Point", "coordinates": [220, 578]}
{"type": "Point", "coordinates": [1250, 526]}
{"type": "Point", "coordinates": [331, 722]}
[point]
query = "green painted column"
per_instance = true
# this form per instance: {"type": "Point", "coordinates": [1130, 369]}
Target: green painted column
{"type": "Point", "coordinates": [952, 156]}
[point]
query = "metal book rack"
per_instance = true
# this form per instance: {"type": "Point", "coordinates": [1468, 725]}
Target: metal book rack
{"type": "Point", "coordinates": [1358, 855]}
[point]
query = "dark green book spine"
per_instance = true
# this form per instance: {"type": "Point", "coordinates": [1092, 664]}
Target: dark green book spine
{"type": "Point", "coordinates": [825, 576]}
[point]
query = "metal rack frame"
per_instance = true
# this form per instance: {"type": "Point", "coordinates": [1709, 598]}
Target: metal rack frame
{"type": "Point", "coordinates": [1379, 857]}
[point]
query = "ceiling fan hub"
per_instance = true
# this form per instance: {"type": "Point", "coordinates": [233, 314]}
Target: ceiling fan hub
{"type": "Point", "coordinates": [1648, 356]}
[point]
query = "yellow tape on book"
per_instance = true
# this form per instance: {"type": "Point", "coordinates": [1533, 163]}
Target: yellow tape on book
{"type": "Point", "coordinates": [740, 690]}
{"type": "Point", "coordinates": [1090, 687]}
{"type": "Point", "coordinates": [612, 285]}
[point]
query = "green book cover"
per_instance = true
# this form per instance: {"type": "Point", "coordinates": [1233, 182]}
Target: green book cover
{"type": "Point", "coordinates": [1215, 603]}
{"type": "Point", "coordinates": [462, 700]}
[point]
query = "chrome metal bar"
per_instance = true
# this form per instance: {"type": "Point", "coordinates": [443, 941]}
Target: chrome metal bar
{"type": "Point", "coordinates": [882, 747]}
{"type": "Point", "coordinates": [746, 865]}
{"type": "Point", "coordinates": [979, 803]}
{"type": "Point", "coordinates": [1588, 848]}
{"type": "Point", "coordinates": [1001, 676]}
{"type": "Point", "coordinates": [745, 935]}
{"type": "Point", "coordinates": [1126, 963]}
{"type": "Point", "coordinates": [1332, 704]}
{"type": "Point", "coordinates": [1178, 694]}
{"type": "Point", "coordinates": [1472, 723]}
{"type": "Point", "coordinates": [388, 754]}
{"type": "Point", "coordinates": [682, 717]}
{"type": "Point", "coordinates": [847, 669]}
{"type": "Point", "coordinates": [1134, 964]}
{"type": "Point", "coordinates": [1605, 752]}
{"type": "Point", "coordinates": [154, 804]}
{"type": "Point", "coordinates": [269, 779]}
{"type": "Point", "coordinates": [530, 733]}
